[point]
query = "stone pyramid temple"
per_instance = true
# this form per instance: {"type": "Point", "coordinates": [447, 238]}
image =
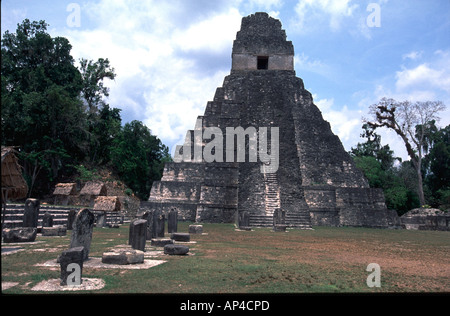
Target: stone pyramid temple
{"type": "Point", "coordinates": [262, 145]}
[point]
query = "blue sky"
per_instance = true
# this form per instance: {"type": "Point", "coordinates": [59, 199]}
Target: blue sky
{"type": "Point", "coordinates": [170, 56]}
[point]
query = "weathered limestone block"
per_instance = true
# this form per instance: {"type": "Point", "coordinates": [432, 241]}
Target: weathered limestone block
{"type": "Point", "coordinates": [71, 264]}
{"type": "Point", "coordinates": [195, 229]}
{"type": "Point", "coordinates": [54, 231]}
{"type": "Point", "coordinates": [161, 242]}
{"type": "Point", "coordinates": [114, 257]}
{"type": "Point", "coordinates": [31, 213]}
{"type": "Point", "coordinates": [82, 231]}
{"type": "Point", "coordinates": [182, 171]}
{"type": "Point", "coordinates": [394, 220]}
{"type": "Point", "coordinates": [216, 213]}
{"type": "Point", "coordinates": [173, 249]}
{"type": "Point", "coordinates": [426, 219]}
{"type": "Point", "coordinates": [214, 194]}
{"type": "Point", "coordinates": [20, 234]}
{"type": "Point", "coordinates": [362, 207]}
{"type": "Point", "coordinates": [176, 191]}
{"type": "Point", "coordinates": [122, 257]}
{"type": "Point", "coordinates": [183, 237]}
{"type": "Point", "coordinates": [134, 256]}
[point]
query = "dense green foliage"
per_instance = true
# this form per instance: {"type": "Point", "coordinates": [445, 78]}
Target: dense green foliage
{"type": "Point", "coordinates": [55, 113]}
{"type": "Point", "coordinates": [399, 181]}
{"type": "Point", "coordinates": [437, 167]}
{"type": "Point", "coordinates": [135, 152]}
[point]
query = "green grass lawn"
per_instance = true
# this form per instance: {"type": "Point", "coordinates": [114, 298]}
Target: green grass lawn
{"type": "Point", "coordinates": [224, 260]}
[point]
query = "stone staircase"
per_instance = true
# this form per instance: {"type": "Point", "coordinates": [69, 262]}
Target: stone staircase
{"type": "Point", "coordinates": [300, 220]}
{"type": "Point", "coordinates": [271, 193]}
{"type": "Point", "coordinates": [272, 201]}
{"type": "Point", "coordinates": [14, 215]}
{"type": "Point", "coordinates": [293, 220]}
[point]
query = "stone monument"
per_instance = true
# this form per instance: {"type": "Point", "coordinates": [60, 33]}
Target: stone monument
{"type": "Point", "coordinates": [71, 265]}
{"type": "Point", "coordinates": [47, 220]}
{"type": "Point", "coordinates": [101, 219]}
{"type": "Point", "coordinates": [172, 221]}
{"type": "Point", "coordinates": [159, 222]}
{"type": "Point", "coordinates": [138, 232]}
{"type": "Point", "coordinates": [261, 145]}
{"type": "Point", "coordinates": [82, 231]}
{"type": "Point", "coordinates": [31, 213]}
{"type": "Point", "coordinates": [148, 216]}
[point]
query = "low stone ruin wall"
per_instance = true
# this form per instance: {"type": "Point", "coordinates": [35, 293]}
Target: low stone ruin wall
{"type": "Point", "coordinates": [426, 219]}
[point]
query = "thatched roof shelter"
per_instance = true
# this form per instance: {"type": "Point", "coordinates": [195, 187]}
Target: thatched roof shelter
{"type": "Point", "coordinates": [14, 186]}
{"type": "Point", "coordinates": [94, 188]}
{"type": "Point", "coordinates": [65, 189]}
{"type": "Point", "coordinates": [107, 203]}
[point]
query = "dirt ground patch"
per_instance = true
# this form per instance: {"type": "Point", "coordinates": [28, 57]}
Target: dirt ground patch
{"type": "Point", "coordinates": [409, 260]}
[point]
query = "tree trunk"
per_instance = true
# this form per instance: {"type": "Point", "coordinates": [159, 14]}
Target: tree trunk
{"type": "Point", "coordinates": [420, 186]}
{"type": "Point", "coordinates": [417, 162]}
{"type": "Point", "coordinates": [36, 170]}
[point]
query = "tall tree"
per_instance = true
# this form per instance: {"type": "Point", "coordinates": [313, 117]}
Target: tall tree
{"type": "Point", "coordinates": [377, 164]}
{"type": "Point", "coordinates": [437, 167]}
{"type": "Point", "coordinates": [105, 128]}
{"type": "Point", "coordinates": [93, 74]}
{"type": "Point", "coordinates": [372, 147]}
{"type": "Point", "coordinates": [101, 119]}
{"type": "Point", "coordinates": [57, 115]}
{"type": "Point", "coordinates": [137, 156]}
{"type": "Point", "coordinates": [41, 111]}
{"type": "Point", "coordinates": [403, 118]}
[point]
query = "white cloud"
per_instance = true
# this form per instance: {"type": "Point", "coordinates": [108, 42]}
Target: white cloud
{"type": "Point", "coordinates": [215, 34]}
{"type": "Point", "coordinates": [303, 62]}
{"type": "Point", "coordinates": [362, 28]}
{"type": "Point", "coordinates": [323, 104]}
{"type": "Point", "coordinates": [156, 49]}
{"type": "Point", "coordinates": [318, 11]}
{"type": "Point", "coordinates": [269, 6]}
{"type": "Point", "coordinates": [345, 123]}
{"type": "Point", "coordinates": [426, 81]}
{"type": "Point", "coordinates": [266, 4]}
{"type": "Point", "coordinates": [412, 55]}
{"type": "Point", "coordinates": [423, 76]}
{"type": "Point", "coordinates": [432, 75]}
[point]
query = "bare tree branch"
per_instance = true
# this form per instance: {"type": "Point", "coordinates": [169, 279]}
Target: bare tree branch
{"type": "Point", "coordinates": [406, 119]}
